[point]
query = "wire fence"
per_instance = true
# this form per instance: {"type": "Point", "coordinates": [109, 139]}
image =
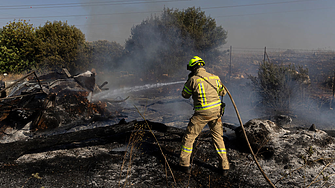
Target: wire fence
{"type": "Point", "coordinates": [248, 50]}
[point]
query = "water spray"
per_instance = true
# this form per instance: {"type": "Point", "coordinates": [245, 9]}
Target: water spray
{"type": "Point", "coordinates": [114, 93]}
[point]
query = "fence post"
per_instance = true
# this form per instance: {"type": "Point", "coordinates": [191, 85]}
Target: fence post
{"type": "Point", "coordinates": [230, 54]}
{"type": "Point", "coordinates": [332, 100]}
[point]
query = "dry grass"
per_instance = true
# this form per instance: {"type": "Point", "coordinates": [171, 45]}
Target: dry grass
{"type": "Point", "coordinates": [11, 77]}
{"type": "Point", "coordinates": [134, 143]}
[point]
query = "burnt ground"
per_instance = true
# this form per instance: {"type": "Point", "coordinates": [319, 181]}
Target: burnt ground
{"type": "Point", "coordinates": [98, 158]}
{"type": "Point", "coordinates": [133, 158]}
{"type": "Point", "coordinates": [106, 162]}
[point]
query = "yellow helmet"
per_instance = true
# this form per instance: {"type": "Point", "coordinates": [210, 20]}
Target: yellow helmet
{"type": "Point", "coordinates": [195, 61]}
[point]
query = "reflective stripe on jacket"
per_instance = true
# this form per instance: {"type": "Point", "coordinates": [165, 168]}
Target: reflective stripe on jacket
{"type": "Point", "coordinates": [204, 95]}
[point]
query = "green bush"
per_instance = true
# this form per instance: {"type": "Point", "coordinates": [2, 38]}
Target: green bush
{"type": "Point", "coordinates": [61, 44]}
{"type": "Point", "coordinates": [18, 47]}
{"type": "Point", "coordinates": [104, 55]}
{"type": "Point", "coordinates": [277, 85]}
{"type": "Point", "coordinates": [165, 44]}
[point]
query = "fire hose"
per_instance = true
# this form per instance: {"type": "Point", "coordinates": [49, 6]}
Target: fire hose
{"type": "Point", "coordinates": [246, 138]}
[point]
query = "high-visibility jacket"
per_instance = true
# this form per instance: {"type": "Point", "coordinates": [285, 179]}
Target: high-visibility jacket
{"type": "Point", "coordinates": [205, 96]}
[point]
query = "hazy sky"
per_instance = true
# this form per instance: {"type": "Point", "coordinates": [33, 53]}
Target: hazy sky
{"type": "Point", "coordinates": [251, 24]}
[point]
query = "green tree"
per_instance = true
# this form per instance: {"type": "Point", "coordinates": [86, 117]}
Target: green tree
{"type": "Point", "coordinates": [200, 28]}
{"type": "Point", "coordinates": [18, 47]}
{"type": "Point", "coordinates": [61, 45]}
{"type": "Point", "coordinates": [105, 55]}
{"type": "Point", "coordinates": [163, 44]}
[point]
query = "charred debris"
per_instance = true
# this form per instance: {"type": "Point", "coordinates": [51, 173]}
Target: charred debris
{"type": "Point", "coordinates": [35, 104]}
{"type": "Point", "coordinates": [41, 144]}
{"type": "Point", "coordinates": [37, 112]}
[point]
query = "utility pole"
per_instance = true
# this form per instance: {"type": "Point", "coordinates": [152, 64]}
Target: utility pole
{"type": "Point", "coordinates": [266, 55]}
{"type": "Point", "coordinates": [230, 53]}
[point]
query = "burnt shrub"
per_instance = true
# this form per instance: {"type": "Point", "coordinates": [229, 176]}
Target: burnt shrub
{"type": "Point", "coordinates": [278, 85]}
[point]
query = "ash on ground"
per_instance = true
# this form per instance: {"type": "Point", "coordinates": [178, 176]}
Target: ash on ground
{"type": "Point", "coordinates": [137, 144]}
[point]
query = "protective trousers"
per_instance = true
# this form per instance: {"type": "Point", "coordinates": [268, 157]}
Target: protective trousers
{"type": "Point", "coordinates": [194, 128]}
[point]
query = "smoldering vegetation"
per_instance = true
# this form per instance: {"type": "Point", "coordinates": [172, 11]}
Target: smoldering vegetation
{"type": "Point", "coordinates": [305, 93]}
{"type": "Point", "coordinates": [290, 82]}
{"type": "Point", "coordinates": [123, 151]}
{"type": "Point", "coordinates": [295, 83]}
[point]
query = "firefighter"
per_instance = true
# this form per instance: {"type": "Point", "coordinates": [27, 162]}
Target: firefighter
{"type": "Point", "coordinates": [205, 89]}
